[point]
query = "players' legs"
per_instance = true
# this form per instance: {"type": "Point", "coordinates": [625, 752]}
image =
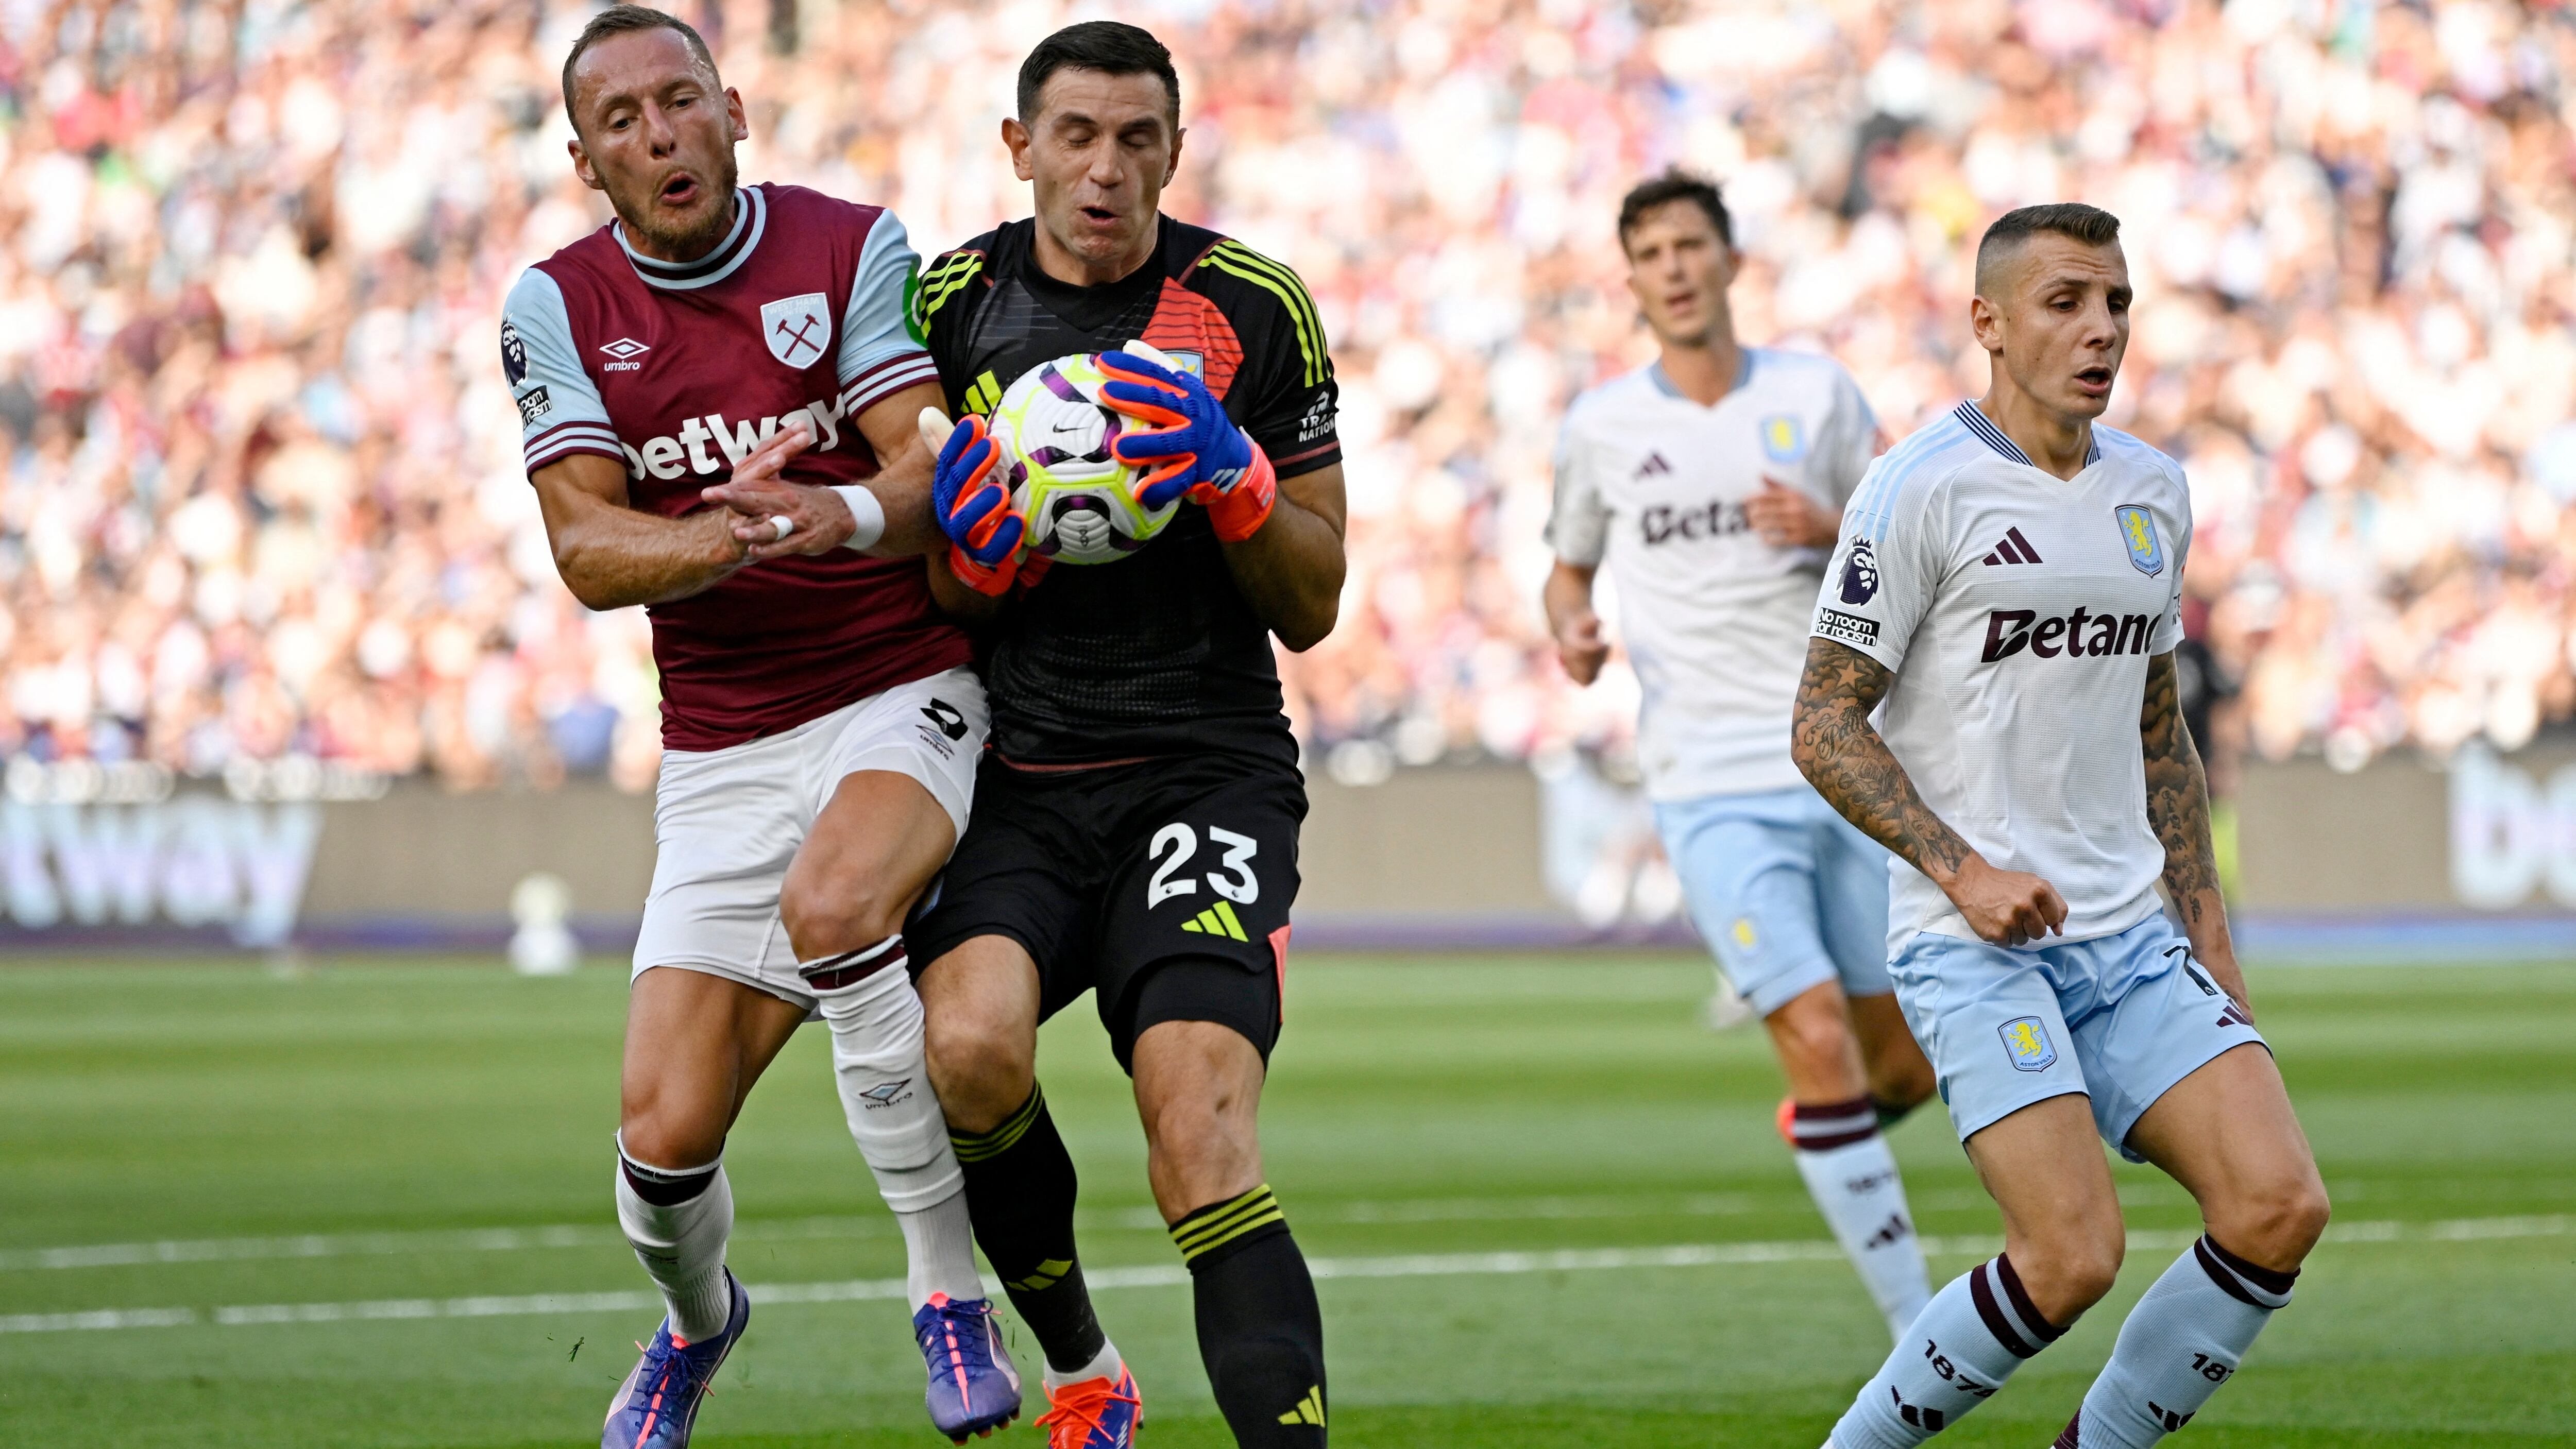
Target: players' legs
{"type": "Point", "coordinates": [870, 853]}
{"type": "Point", "coordinates": [1198, 1091]}
{"type": "Point", "coordinates": [2043, 1166]}
{"type": "Point", "coordinates": [695, 1043]}
{"type": "Point", "coordinates": [1774, 900]}
{"type": "Point", "coordinates": [1832, 1121]}
{"type": "Point", "coordinates": [1900, 1076]}
{"type": "Point", "coordinates": [2227, 1133]}
{"type": "Point", "coordinates": [982, 1000]}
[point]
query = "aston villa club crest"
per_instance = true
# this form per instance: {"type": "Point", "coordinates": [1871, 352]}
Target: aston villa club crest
{"type": "Point", "coordinates": [798, 329]}
{"type": "Point", "coordinates": [2138, 531]}
{"type": "Point", "coordinates": [1783, 440]}
{"type": "Point", "coordinates": [2026, 1042]}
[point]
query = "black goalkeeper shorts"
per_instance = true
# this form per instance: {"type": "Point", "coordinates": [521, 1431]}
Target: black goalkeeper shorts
{"type": "Point", "coordinates": [1162, 885]}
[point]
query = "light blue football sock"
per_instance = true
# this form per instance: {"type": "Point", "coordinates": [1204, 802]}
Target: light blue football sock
{"type": "Point", "coordinates": [2181, 1342]}
{"type": "Point", "coordinates": [1966, 1342]}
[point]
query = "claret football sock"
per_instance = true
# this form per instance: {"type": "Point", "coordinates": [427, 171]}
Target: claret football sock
{"type": "Point", "coordinates": [677, 1220]}
{"type": "Point", "coordinates": [2181, 1342]}
{"type": "Point", "coordinates": [1852, 1175]}
{"type": "Point", "coordinates": [1261, 1332]}
{"type": "Point", "coordinates": [867, 1000]}
{"type": "Point", "coordinates": [1021, 1187]}
{"type": "Point", "coordinates": [1966, 1342]}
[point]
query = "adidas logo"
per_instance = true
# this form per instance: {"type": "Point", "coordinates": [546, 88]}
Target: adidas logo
{"type": "Point", "coordinates": [1046, 1275]}
{"type": "Point", "coordinates": [1309, 1410]}
{"type": "Point", "coordinates": [1217, 920]}
{"type": "Point", "coordinates": [2014, 549]}
{"type": "Point", "coordinates": [1654, 464]}
{"type": "Point", "coordinates": [1895, 1230]}
{"type": "Point", "coordinates": [2228, 1015]}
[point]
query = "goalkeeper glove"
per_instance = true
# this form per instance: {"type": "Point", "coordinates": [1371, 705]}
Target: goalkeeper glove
{"type": "Point", "coordinates": [984, 530]}
{"type": "Point", "coordinates": [1193, 449]}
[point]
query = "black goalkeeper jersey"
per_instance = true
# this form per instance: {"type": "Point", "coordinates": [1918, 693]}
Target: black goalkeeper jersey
{"type": "Point", "coordinates": [1157, 652]}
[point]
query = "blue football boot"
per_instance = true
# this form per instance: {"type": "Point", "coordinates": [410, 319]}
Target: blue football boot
{"type": "Point", "coordinates": [658, 1404]}
{"type": "Point", "coordinates": [973, 1388]}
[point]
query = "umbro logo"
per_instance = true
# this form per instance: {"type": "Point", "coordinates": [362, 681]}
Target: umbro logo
{"type": "Point", "coordinates": [2015, 549]}
{"type": "Point", "coordinates": [1654, 464]}
{"type": "Point", "coordinates": [623, 353]}
{"type": "Point", "coordinates": [949, 718]}
{"type": "Point", "coordinates": [885, 1094]}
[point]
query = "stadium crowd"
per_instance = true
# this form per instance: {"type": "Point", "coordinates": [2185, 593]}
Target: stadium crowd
{"type": "Point", "coordinates": [263, 495]}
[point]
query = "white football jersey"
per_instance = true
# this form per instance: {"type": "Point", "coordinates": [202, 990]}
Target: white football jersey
{"type": "Point", "coordinates": [2018, 610]}
{"type": "Point", "coordinates": [1714, 619]}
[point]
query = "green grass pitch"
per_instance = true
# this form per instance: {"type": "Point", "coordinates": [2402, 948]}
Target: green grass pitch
{"type": "Point", "coordinates": [415, 1137]}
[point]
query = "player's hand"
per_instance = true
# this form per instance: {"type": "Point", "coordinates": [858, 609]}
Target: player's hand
{"type": "Point", "coordinates": [817, 520]}
{"type": "Point", "coordinates": [984, 530]}
{"type": "Point", "coordinates": [2006, 907]}
{"type": "Point", "coordinates": [1580, 647]}
{"type": "Point", "coordinates": [1787, 518]}
{"type": "Point", "coordinates": [1190, 448]}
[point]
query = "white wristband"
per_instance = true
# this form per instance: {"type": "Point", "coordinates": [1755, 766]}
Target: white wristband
{"type": "Point", "coordinates": [866, 513]}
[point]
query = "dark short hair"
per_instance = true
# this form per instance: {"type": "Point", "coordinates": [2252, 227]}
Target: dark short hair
{"type": "Point", "coordinates": [620, 20]}
{"type": "Point", "coordinates": [2090, 225]}
{"type": "Point", "coordinates": [1674, 185]}
{"type": "Point", "coordinates": [1108, 46]}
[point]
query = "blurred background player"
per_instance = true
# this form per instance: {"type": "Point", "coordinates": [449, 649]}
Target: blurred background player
{"type": "Point", "coordinates": [1136, 825]}
{"type": "Point", "coordinates": [2008, 598]}
{"type": "Point", "coordinates": [820, 721]}
{"type": "Point", "coordinates": [1711, 481]}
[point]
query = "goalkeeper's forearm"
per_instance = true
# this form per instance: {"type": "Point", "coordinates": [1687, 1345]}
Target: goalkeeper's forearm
{"type": "Point", "coordinates": [1291, 571]}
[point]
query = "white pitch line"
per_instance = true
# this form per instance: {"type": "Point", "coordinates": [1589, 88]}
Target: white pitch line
{"type": "Point", "coordinates": [581, 1235]}
{"type": "Point", "coordinates": [1411, 1265]}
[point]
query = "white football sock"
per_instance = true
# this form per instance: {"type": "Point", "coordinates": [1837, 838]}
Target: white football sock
{"type": "Point", "coordinates": [1105, 1364]}
{"type": "Point", "coordinates": [1852, 1175]}
{"type": "Point", "coordinates": [884, 1082]}
{"type": "Point", "coordinates": [1966, 1342]}
{"type": "Point", "coordinates": [681, 1244]}
{"type": "Point", "coordinates": [2181, 1342]}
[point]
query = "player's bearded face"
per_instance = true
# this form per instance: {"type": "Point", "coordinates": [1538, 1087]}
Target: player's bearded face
{"type": "Point", "coordinates": [2065, 323]}
{"type": "Point", "coordinates": [1098, 153]}
{"type": "Point", "coordinates": [657, 135]}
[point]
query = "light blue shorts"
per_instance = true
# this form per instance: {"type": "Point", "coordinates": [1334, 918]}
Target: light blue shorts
{"type": "Point", "coordinates": [1789, 894]}
{"type": "Point", "coordinates": [2119, 1018]}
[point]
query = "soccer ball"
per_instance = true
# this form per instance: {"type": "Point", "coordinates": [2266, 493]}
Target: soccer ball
{"type": "Point", "coordinates": [1054, 435]}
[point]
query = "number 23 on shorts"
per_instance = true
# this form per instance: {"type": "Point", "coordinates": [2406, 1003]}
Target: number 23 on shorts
{"type": "Point", "coordinates": [1176, 844]}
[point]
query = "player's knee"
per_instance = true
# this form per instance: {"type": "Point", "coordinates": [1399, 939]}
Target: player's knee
{"type": "Point", "coordinates": [826, 918]}
{"type": "Point", "coordinates": [671, 1140]}
{"type": "Point", "coordinates": [1813, 1037]}
{"type": "Point", "coordinates": [2070, 1270]}
{"type": "Point", "coordinates": [981, 1069]}
{"type": "Point", "coordinates": [2277, 1223]}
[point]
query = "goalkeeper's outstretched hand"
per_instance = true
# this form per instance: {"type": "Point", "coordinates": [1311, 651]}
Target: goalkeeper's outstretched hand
{"type": "Point", "coordinates": [1191, 448]}
{"type": "Point", "coordinates": [984, 530]}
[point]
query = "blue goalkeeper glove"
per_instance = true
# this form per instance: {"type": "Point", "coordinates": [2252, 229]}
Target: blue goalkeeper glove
{"type": "Point", "coordinates": [984, 530]}
{"type": "Point", "coordinates": [1191, 448]}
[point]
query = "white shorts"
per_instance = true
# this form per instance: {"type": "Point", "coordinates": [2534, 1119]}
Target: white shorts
{"type": "Point", "coordinates": [726, 823]}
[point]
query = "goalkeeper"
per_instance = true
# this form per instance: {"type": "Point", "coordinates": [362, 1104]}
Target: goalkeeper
{"type": "Point", "coordinates": [1135, 825]}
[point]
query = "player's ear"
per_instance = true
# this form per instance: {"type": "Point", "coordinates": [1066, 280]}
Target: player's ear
{"type": "Point", "coordinates": [1172, 166]}
{"type": "Point", "coordinates": [1016, 137]}
{"type": "Point", "coordinates": [735, 113]}
{"type": "Point", "coordinates": [1986, 322]}
{"type": "Point", "coordinates": [581, 166]}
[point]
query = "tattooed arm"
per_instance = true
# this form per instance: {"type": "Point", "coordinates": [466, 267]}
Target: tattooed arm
{"type": "Point", "coordinates": [1841, 754]}
{"type": "Point", "coordinates": [2178, 811]}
